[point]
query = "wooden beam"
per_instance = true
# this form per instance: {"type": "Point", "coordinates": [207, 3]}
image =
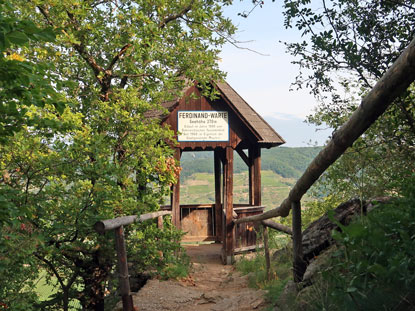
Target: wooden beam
{"type": "Point", "coordinates": [392, 84]}
{"type": "Point", "coordinates": [175, 195]}
{"type": "Point", "coordinates": [251, 176]}
{"type": "Point", "coordinates": [276, 226]}
{"type": "Point", "coordinates": [243, 156]}
{"type": "Point", "coordinates": [109, 224]}
{"type": "Point", "coordinates": [218, 205]}
{"type": "Point", "coordinates": [234, 214]}
{"type": "Point", "coordinates": [299, 265]}
{"type": "Point", "coordinates": [257, 175]}
{"type": "Point", "coordinates": [229, 224]}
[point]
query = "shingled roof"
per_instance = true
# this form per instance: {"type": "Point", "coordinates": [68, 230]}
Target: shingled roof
{"type": "Point", "coordinates": [266, 134]}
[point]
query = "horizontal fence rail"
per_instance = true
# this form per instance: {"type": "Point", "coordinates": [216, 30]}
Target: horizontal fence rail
{"type": "Point", "coordinates": [117, 224]}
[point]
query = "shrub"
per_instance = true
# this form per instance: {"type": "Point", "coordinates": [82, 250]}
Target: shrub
{"type": "Point", "coordinates": [375, 266]}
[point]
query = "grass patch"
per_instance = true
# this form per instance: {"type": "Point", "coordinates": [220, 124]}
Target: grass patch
{"type": "Point", "coordinates": [280, 268]}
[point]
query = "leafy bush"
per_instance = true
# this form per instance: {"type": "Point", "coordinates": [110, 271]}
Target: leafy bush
{"type": "Point", "coordinates": [158, 250]}
{"type": "Point", "coordinates": [375, 267]}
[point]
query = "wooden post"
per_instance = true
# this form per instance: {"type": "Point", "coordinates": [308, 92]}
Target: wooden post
{"type": "Point", "coordinates": [175, 196]}
{"type": "Point", "coordinates": [257, 175]}
{"type": "Point", "coordinates": [228, 202]}
{"type": "Point", "coordinates": [251, 176]}
{"type": "Point", "coordinates": [266, 249]}
{"type": "Point", "coordinates": [127, 299]}
{"type": "Point", "coordinates": [299, 265]}
{"type": "Point", "coordinates": [218, 207]}
{"type": "Point", "coordinates": [160, 224]}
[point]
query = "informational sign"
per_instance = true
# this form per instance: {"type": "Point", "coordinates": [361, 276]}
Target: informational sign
{"type": "Point", "coordinates": [203, 125]}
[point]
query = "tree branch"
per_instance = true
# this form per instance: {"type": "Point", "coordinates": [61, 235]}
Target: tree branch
{"type": "Point", "coordinates": [173, 17]}
{"type": "Point", "coordinates": [118, 57]}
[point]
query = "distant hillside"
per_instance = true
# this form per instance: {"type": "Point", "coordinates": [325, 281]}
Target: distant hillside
{"type": "Point", "coordinates": [287, 162]}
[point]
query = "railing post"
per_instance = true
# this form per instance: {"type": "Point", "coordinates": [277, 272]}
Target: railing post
{"type": "Point", "coordinates": [299, 265]}
{"type": "Point", "coordinates": [266, 249]}
{"type": "Point", "coordinates": [127, 299]}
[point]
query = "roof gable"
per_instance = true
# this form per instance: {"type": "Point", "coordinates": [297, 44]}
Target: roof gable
{"type": "Point", "coordinates": [265, 133]}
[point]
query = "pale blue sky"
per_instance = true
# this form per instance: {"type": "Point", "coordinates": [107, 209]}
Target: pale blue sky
{"type": "Point", "coordinates": [265, 81]}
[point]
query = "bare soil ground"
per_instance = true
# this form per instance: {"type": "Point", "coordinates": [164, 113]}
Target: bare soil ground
{"type": "Point", "coordinates": [210, 286]}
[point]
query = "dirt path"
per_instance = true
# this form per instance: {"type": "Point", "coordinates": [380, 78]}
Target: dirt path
{"type": "Point", "coordinates": [210, 286]}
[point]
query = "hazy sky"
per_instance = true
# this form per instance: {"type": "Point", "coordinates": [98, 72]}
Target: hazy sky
{"type": "Point", "coordinates": [265, 81]}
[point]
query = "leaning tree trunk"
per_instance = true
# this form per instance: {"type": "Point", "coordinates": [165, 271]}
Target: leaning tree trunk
{"type": "Point", "coordinates": [395, 81]}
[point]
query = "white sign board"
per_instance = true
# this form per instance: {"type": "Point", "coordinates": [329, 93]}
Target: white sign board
{"type": "Point", "coordinates": [202, 126]}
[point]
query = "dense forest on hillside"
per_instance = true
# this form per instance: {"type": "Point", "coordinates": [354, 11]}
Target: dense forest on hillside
{"type": "Point", "coordinates": [284, 161]}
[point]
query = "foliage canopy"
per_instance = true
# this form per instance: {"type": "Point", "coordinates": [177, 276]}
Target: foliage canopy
{"type": "Point", "coordinates": [83, 148]}
{"type": "Point", "coordinates": [348, 46]}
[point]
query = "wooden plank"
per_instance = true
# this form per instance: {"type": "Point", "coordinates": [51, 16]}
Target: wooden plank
{"type": "Point", "coordinates": [197, 222]}
{"type": "Point", "coordinates": [175, 195]}
{"type": "Point", "coordinates": [218, 205]}
{"type": "Point", "coordinates": [229, 205]}
{"type": "Point", "coordinates": [201, 206]}
{"type": "Point", "coordinates": [249, 209]}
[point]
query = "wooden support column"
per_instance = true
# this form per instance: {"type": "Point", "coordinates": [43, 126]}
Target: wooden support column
{"type": "Point", "coordinates": [251, 175]}
{"type": "Point", "coordinates": [175, 196]}
{"type": "Point", "coordinates": [218, 206]}
{"type": "Point", "coordinates": [256, 159]}
{"type": "Point", "coordinates": [299, 265]}
{"type": "Point", "coordinates": [228, 205]}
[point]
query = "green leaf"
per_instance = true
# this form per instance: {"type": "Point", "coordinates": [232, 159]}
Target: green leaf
{"type": "Point", "coordinates": [60, 107]}
{"type": "Point", "coordinates": [351, 289]}
{"type": "Point", "coordinates": [46, 35]}
{"type": "Point", "coordinates": [354, 230]}
{"type": "Point", "coordinates": [17, 37]}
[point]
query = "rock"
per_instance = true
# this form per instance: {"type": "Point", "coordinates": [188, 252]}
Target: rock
{"type": "Point", "coordinates": [257, 303]}
{"type": "Point", "coordinates": [304, 297]}
{"type": "Point", "coordinates": [317, 265]}
{"type": "Point", "coordinates": [317, 236]}
{"type": "Point", "coordinates": [209, 298]}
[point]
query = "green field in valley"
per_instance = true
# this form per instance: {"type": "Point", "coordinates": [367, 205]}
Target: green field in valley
{"type": "Point", "coordinates": [199, 188]}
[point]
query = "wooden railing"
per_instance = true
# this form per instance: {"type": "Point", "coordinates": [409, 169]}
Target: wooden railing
{"type": "Point", "coordinates": [117, 224]}
{"type": "Point", "coordinates": [392, 84]}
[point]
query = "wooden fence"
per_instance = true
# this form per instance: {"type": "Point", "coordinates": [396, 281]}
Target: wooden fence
{"type": "Point", "coordinates": [117, 224]}
{"type": "Point", "coordinates": [392, 84]}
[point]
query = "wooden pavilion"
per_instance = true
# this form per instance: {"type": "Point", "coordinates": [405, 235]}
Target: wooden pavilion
{"type": "Point", "coordinates": [223, 126]}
